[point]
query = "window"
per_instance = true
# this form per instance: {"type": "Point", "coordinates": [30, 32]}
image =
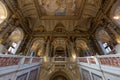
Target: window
{"type": "Point", "coordinates": [12, 48]}
{"type": "Point", "coordinates": [106, 47]}
{"type": "Point", "coordinates": [15, 39]}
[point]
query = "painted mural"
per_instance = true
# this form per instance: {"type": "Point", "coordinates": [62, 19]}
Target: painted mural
{"type": "Point", "coordinates": [60, 7]}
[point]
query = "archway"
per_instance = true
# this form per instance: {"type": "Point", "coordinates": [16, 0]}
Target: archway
{"type": "Point", "coordinates": [3, 12]}
{"type": "Point", "coordinates": [59, 76]}
{"type": "Point", "coordinates": [59, 47]}
{"type": "Point", "coordinates": [60, 52]}
{"type": "Point", "coordinates": [14, 40]}
{"type": "Point", "coordinates": [82, 48]}
{"type": "Point", "coordinates": [37, 47]}
{"type": "Point", "coordinates": [104, 40]}
{"type": "Point", "coordinates": [115, 13]}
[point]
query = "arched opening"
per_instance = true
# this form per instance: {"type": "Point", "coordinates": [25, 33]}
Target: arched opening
{"type": "Point", "coordinates": [115, 16]}
{"type": "Point", "coordinates": [59, 76]}
{"type": "Point", "coordinates": [104, 41]}
{"type": "Point", "coordinates": [60, 52]}
{"type": "Point", "coordinates": [80, 52]}
{"type": "Point", "coordinates": [14, 40]}
{"type": "Point", "coordinates": [37, 47]}
{"type": "Point", "coordinates": [82, 48]}
{"type": "Point", "coordinates": [3, 12]}
{"type": "Point", "coordinates": [59, 48]}
{"type": "Point", "coordinates": [115, 13]}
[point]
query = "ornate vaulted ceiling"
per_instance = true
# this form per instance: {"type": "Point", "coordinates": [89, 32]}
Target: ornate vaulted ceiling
{"type": "Point", "coordinates": [44, 15]}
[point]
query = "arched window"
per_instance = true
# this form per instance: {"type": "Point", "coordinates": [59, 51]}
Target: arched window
{"type": "Point", "coordinates": [37, 47]}
{"type": "Point", "coordinates": [104, 41]}
{"type": "Point", "coordinates": [82, 48]}
{"type": "Point", "coordinates": [15, 39]}
{"type": "Point", "coordinates": [3, 12]}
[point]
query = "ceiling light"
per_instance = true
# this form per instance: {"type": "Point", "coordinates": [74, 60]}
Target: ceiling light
{"type": "Point", "coordinates": [116, 17]}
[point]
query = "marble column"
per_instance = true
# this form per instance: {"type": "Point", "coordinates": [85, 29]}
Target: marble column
{"type": "Point", "coordinates": [73, 53]}
{"type": "Point", "coordinates": [27, 50]}
{"type": "Point", "coordinates": [44, 48]}
{"type": "Point", "coordinates": [23, 46]}
{"type": "Point", "coordinates": [47, 48]}
{"type": "Point", "coordinates": [76, 50]}
{"type": "Point", "coordinates": [69, 49]}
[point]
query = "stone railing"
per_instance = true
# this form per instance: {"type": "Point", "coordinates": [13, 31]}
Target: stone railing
{"type": "Point", "coordinates": [17, 67]}
{"type": "Point", "coordinates": [105, 67]}
{"type": "Point", "coordinates": [61, 59]}
{"type": "Point", "coordinates": [12, 60]}
{"type": "Point", "coordinates": [106, 60]}
{"type": "Point", "coordinates": [59, 62]}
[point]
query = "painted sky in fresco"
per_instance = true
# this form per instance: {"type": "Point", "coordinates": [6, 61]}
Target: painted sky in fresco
{"type": "Point", "coordinates": [60, 7]}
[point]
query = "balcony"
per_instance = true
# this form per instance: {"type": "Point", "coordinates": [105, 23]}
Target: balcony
{"type": "Point", "coordinates": [59, 62]}
{"type": "Point", "coordinates": [14, 67]}
{"type": "Point", "coordinates": [106, 67]}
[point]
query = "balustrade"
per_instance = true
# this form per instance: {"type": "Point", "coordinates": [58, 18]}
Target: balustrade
{"type": "Point", "coordinates": [17, 67]}
{"type": "Point", "coordinates": [105, 67]}
{"type": "Point", "coordinates": [60, 59]}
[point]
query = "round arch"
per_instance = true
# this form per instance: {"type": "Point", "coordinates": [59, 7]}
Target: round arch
{"type": "Point", "coordinates": [82, 47]}
{"type": "Point", "coordinates": [104, 40]}
{"type": "Point", "coordinates": [81, 43]}
{"type": "Point", "coordinates": [36, 48]}
{"type": "Point", "coordinates": [102, 35]}
{"type": "Point", "coordinates": [15, 39]}
{"type": "Point", "coordinates": [60, 51]}
{"type": "Point", "coordinates": [3, 12]}
{"type": "Point", "coordinates": [115, 13]}
{"type": "Point", "coordinates": [17, 35]}
{"type": "Point", "coordinates": [59, 74]}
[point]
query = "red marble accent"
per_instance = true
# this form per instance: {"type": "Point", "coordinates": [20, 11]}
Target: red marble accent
{"type": "Point", "coordinates": [34, 60]}
{"type": "Point", "coordinates": [83, 60]}
{"type": "Point", "coordinates": [92, 60]}
{"type": "Point", "coordinates": [9, 61]}
{"type": "Point", "coordinates": [110, 61]}
{"type": "Point", "coordinates": [27, 61]}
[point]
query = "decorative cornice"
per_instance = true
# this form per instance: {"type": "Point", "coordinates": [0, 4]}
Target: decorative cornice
{"type": "Point", "coordinates": [56, 34]}
{"type": "Point", "coordinates": [102, 13]}
{"type": "Point", "coordinates": [15, 10]}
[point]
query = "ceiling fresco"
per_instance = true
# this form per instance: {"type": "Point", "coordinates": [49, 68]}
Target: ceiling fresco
{"type": "Point", "coordinates": [60, 7]}
{"type": "Point", "coordinates": [44, 15]}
